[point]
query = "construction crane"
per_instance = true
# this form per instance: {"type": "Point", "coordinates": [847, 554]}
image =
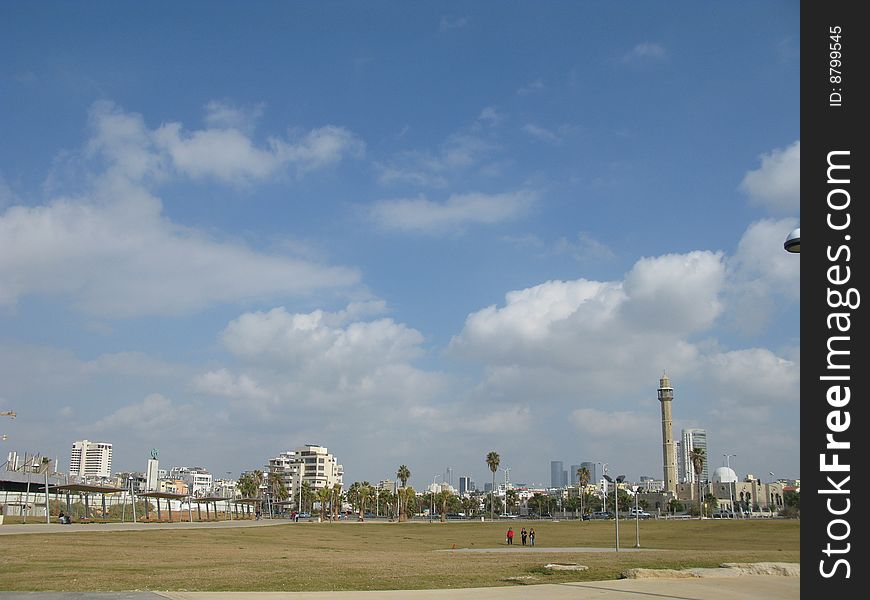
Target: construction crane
{"type": "Point", "coordinates": [7, 413]}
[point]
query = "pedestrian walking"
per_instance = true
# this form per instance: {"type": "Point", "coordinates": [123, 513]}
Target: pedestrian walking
{"type": "Point", "coordinates": [510, 536]}
{"type": "Point", "coordinates": [532, 537]}
{"type": "Point", "coordinates": [524, 534]}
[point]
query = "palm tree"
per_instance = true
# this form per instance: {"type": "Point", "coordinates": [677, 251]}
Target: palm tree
{"type": "Point", "coordinates": [698, 456]}
{"type": "Point", "coordinates": [583, 476]}
{"type": "Point", "coordinates": [403, 474]}
{"type": "Point", "coordinates": [492, 460]}
{"type": "Point", "coordinates": [307, 495]}
{"type": "Point", "coordinates": [336, 499]}
{"type": "Point", "coordinates": [323, 496]}
{"type": "Point", "coordinates": [277, 487]}
{"type": "Point", "coordinates": [511, 497]}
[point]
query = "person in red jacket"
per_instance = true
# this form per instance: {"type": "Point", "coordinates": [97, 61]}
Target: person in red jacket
{"type": "Point", "coordinates": [510, 536]}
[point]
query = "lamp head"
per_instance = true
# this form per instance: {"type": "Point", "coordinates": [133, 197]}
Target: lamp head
{"type": "Point", "coordinates": [793, 241]}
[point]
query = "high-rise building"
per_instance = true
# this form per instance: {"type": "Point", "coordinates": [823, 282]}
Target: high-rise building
{"type": "Point", "coordinates": [572, 474]}
{"type": "Point", "coordinates": [556, 473]}
{"type": "Point", "coordinates": [666, 397]}
{"type": "Point", "coordinates": [690, 440]}
{"type": "Point", "coordinates": [465, 485]}
{"type": "Point", "coordinates": [91, 459]}
{"type": "Point", "coordinates": [310, 463]}
{"type": "Point", "coordinates": [593, 470]}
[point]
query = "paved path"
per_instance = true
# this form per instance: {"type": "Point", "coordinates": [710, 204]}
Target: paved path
{"type": "Point", "coordinates": [546, 550]}
{"type": "Point", "coordinates": [749, 587]}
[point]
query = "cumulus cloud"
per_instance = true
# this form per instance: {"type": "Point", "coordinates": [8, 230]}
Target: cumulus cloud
{"type": "Point", "coordinates": [318, 340]}
{"type": "Point", "coordinates": [426, 216]}
{"type": "Point", "coordinates": [775, 185]}
{"type": "Point", "coordinates": [600, 328]}
{"type": "Point", "coordinates": [225, 151]}
{"type": "Point", "coordinates": [760, 272]}
{"type": "Point", "coordinates": [112, 252]}
{"type": "Point", "coordinates": [126, 259]}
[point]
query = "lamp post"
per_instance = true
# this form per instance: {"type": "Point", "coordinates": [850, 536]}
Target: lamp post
{"type": "Point", "coordinates": [432, 503]}
{"type": "Point", "coordinates": [636, 519]}
{"type": "Point", "coordinates": [618, 480]}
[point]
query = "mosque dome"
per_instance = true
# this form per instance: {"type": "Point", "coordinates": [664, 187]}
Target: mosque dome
{"type": "Point", "coordinates": [724, 475]}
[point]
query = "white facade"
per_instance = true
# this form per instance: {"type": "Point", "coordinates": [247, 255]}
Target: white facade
{"type": "Point", "coordinates": [91, 459]}
{"type": "Point", "coordinates": [198, 480]}
{"type": "Point", "coordinates": [310, 463]}
{"type": "Point", "coordinates": [691, 439]}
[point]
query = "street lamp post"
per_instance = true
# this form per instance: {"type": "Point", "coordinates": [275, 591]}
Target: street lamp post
{"type": "Point", "coordinates": [615, 483]}
{"type": "Point", "coordinates": [432, 504]}
{"type": "Point", "coordinates": [636, 519]}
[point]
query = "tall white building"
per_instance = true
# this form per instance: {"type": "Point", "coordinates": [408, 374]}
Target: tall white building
{"type": "Point", "coordinates": [691, 439]}
{"type": "Point", "coordinates": [310, 463]}
{"type": "Point", "coordinates": [91, 459]}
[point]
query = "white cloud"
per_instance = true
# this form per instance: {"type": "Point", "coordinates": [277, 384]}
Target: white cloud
{"type": "Point", "coordinates": [775, 185]}
{"type": "Point", "coordinates": [491, 116]}
{"type": "Point", "coordinates": [622, 424]}
{"type": "Point", "coordinates": [645, 51]}
{"type": "Point", "coordinates": [153, 413]}
{"type": "Point", "coordinates": [460, 151]}
{"type": "Point", "coordinates": [318, 341]}
{"type": "Point", "coordinates": [448, 23]}
{"type": "Point", "coordinates": [126, 259]}
{"type": "Point", "coordinates": [761, 271]}
{"type": "Point", "coordinates": [225, 151]}
{"type": "Point", "coordinates": [224, 115]}
{"type": "Point", "coordinates": [532, 88]}
{"type": "Point", "coordinates": [426, 216]}
{"type": "Point", "coordinates": [540, 133]}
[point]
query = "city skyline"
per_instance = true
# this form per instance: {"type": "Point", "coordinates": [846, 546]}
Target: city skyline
{"type": "Point", "coordinates": [410, 240]}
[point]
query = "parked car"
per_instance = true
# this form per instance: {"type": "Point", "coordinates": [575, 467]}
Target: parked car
{"type": "Point", "coordinates": [601, 514]}
{"type": "Point", "coordinates": [639, 514]}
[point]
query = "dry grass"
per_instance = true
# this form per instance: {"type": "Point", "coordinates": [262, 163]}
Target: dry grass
{"type": "Point", "coordinates": [352, 556]}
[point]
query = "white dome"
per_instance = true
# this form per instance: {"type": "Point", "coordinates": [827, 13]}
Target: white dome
{"type": "Point", "coordinates": [724, 475]}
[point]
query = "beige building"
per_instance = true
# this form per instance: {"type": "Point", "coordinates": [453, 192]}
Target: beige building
{"type": "Point", "coordinates": [310, 463]}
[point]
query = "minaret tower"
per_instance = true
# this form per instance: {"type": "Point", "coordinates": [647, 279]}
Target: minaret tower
{"type": "Point", "coordinates": [666, 396]}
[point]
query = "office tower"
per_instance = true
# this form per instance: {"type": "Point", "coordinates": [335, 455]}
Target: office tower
{"type": "Point", "coordinates": [666, 397]}
{"type": "Point", "coordinates": [556, 471]}
{"type": "Point", "coordinates": [91, 459]}
{"type": "Point", "coordinates": [691, 439]}
{"type": "Point", "coordinates": [593, 470]}
{"type": "Point", "coordinates": [572, 474]}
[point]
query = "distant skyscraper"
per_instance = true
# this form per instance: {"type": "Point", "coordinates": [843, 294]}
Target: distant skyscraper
{"type": "Point", "coordinates": [593, 471]}
{"type": "Point", "coordinates": [556, 472]}
{"type": "Point", "coordinates": [91, 459]}
{"type": "Point", "coordinates": [465, 485]}
{"type": "Point", "coordinates": [666, 397]}
{"type": "Point", "coordinates": [691, 439]}
{"type": "Point", "coordinates": [572, 474]}
{"type": "Point", "coordinates": [564, 478]}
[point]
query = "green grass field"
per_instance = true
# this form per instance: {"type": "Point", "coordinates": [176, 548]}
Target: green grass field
{"type": "Point", "coordinates": [369, 556]}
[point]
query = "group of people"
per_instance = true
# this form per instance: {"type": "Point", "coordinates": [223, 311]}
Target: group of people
{"type": "Point", "coordinates": [64, 519]}
{"type": "Point", "coordinates": [524, 536]}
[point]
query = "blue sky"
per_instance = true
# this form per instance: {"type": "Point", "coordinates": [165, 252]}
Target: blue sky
{"type": "Point", "coordinates": [411, 232]}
